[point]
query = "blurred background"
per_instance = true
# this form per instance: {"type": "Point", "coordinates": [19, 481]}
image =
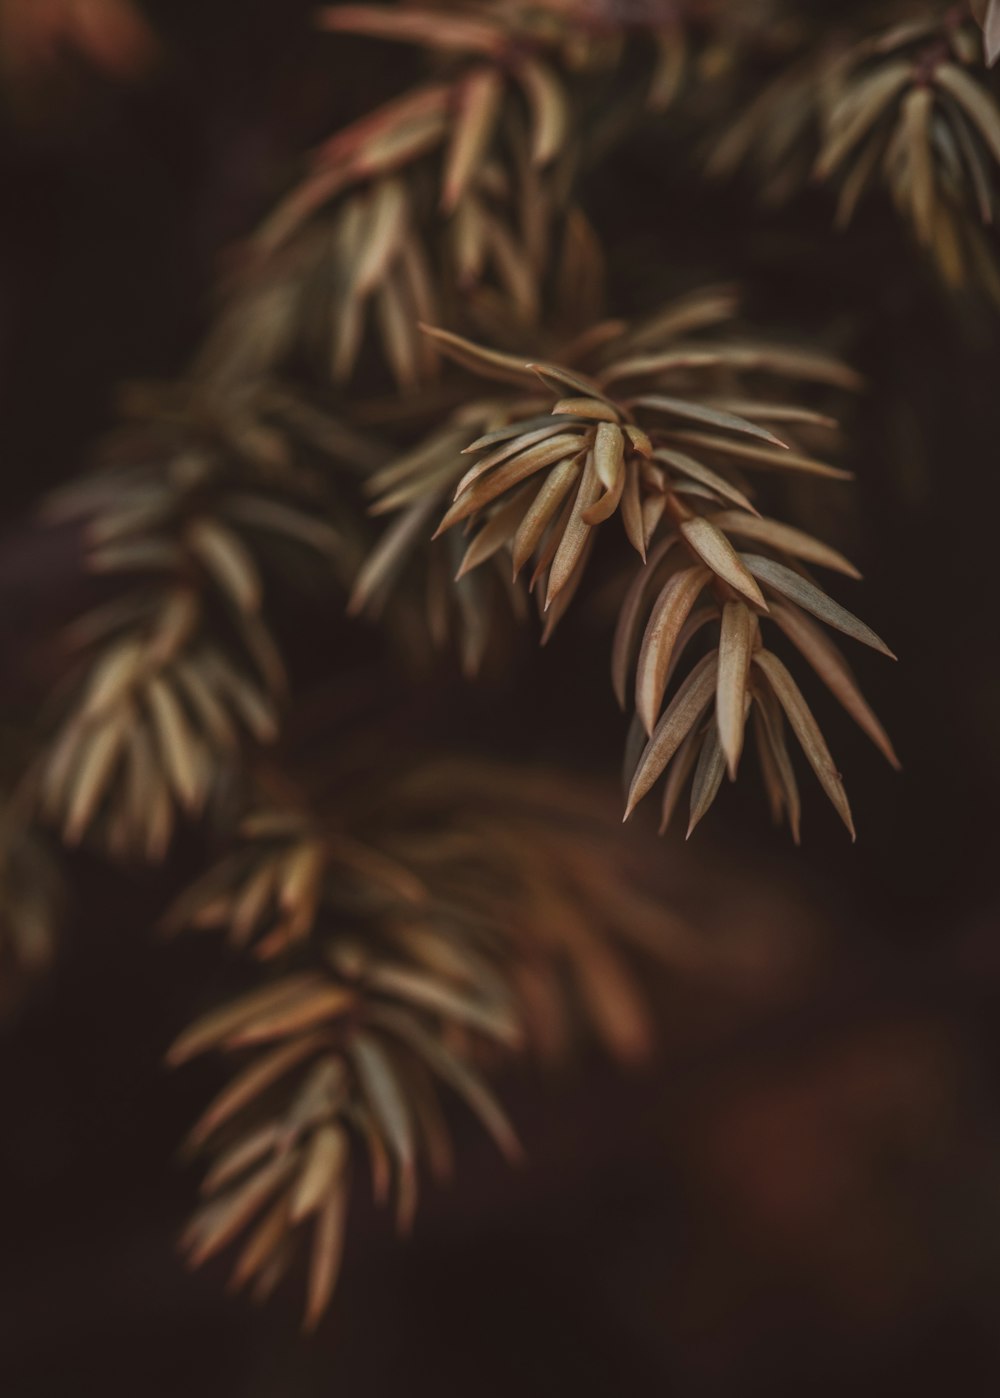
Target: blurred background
{"type": "Point", "coordinates": [802, 1191]}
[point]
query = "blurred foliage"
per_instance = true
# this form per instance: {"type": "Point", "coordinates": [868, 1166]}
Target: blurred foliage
{"type": "Point", "coordinates": [255, 541]}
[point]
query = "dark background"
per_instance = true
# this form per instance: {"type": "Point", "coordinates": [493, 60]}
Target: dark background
{"type": "Point", "coordinates": [803, 1192]}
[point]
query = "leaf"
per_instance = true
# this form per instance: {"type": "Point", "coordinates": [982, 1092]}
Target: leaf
{"type": "Point", "coordinates": [679, 717]}
{"type": "Point", "coordinates": [59, 766]}
{"type": "Point", "coordinates": [698, 310]}
{"type": "Point", "coordinates": [639, 440]}
{"type": "Point", "coordinates": [632, 509]}
{"type": "Point", "coordinates": [708, 776]}
{"type": "Point", "coordinates": [977, 162]}
{"type": "Point", "coordinates": [786, 539]}
{"type": "Point", "coordinates": [510, 473]}
{"type": "Point", "coordinates": [381, 1165]}
{"type": "Point", "coordinates": [238, 1159]}
{"type": "Point", "coordinates": [348, 328]}
{"type": "Point", "coordinates": [699, 618]}
{"type": "Point", "coordinates": [385, 227]}
{"type": "Point", "coordinates": [668, 73]}
{"type": "Point", "coordinates": [635, 744]}
{"type": "Point", "coordinates": [560, 605]}
{"type": "Point", "coordinates": [991, 32]}
{"type": "Point", "coordinates": [514, 429]}
{"type": "Point", "coordinates": [870, 98]}
{"type": "Point", "coordinates": [322, 1168]}
{"type": "Point", "coordinates": [507, 368]}
{"type": "Point", "coordinates": [701, 412]}
{"type": "Point", "coordinates": [431, 1125]}
{"type": "Point", "coordinates": [431, 993]}
{"type": "Point", "coordinates": [416, 280]}
{"type": "Point", "coordinates": [551, 540]}
{"type": "Point", "coordinates": [111, 678]}
{"type": "Point", "coordinates": [627, 628]}
{"type": "Point", "coordinates": [263, 1243]}
{"type": "Point", "coordinates": [739, 626]}
{"type": "Point", "coordinates": [696, 491]}
{"type": "Point", "coordinates": [808, 596]}
{"type": "Point", "coordinates": [594, 409]}
{"type": "Point", "coordinates": [159, 821]}
{"type": "Point", "coordinates": [556, 486]}
{"type": "Point", "coordinates": [436, 29]}
{"type": "Point", "coordinates": [255, 897]}
{"type": "Point", "coordinates": [401, 341]}
{"type": "Point", "coordinates": [505, 450]}
{"type": "Point", "coordinates": [227, 560]}
{"type": "Point", "coordinates": [373, 864]}
{"type": "Point", "coordinates": [835, 673]}
{"type": "Point", "coordinates": [677, 775]}
{"type": "Point", "coordinates": [467, 237]}
{"type": "Point", "coordinates": [274, 1270]}
{"type": "Point", "coordinates": [262, 649]}
{"type": "Point", "coordinates": [918, 106]}
{"type": "Point", "coordinates": [653, 508]}
{"type": "Point", "coordinates": [478, 106]}
{"type": "Point", "coordinates": [458, 1075]}
{"type": "Point", "coordinates": [975, 101]}
{"type": "Point", "coordinates": [390, 554]}
{"type": "Point", "coordinates": [549, 111]}
{"type": "Point", "coordinates": [498, 529]}
{"type": "Point", "coordinates": [176, 744]}
{"type": "Point", "coordinates": [807, 730]}
{"type": "Point", "coordinates": [212, 1029]}
{"type": "Point", "coordinates": [252, 1082]}
{"type": "Point", "coordinates": [385, 1096]}
{"type": "Point", "coordinates": [327, 1251]}
{"type": "Point", "coordinates": [783, 789]}
{"type": "Point", "coordinates": [761, 457]}
{"type": "Point", "coordinates": [711, 545]}
{"type": "Point", "coordinates": [668, 616]}
{"type": "Point", "coordinates": [788, 361]}
{"type": "Point", "coordinates": [401, 142]}
{"type": "Point", "coordinates": [857, 179]}
{"type": "Point", "coordinates": [305, 1011]}
{"type": "Point", "coordinates": [100, 752]}
{"type": "Point", "coordinates": [223, 1219]}
{"type": "Point", "coordinates": [759, 411]}
{"type": "Point", "coordinates": [513, 267]}
{"type": "Point", "coordinates": [255, 710]}
{"type": "Point", "coordinates": [609, 462]}
{"type": "Point", "coordinates": [136, 556]}
{"type": "Point", "coordinates": [575, 535]}
{"type": "Point", "coordinates": [556, 377]}
{"type": "Point", "coordinates": [214, 719]}
{"type": "Point", "coordinates": [705, 475]}
{"type": "Point", "coordinates": [325, 1090]}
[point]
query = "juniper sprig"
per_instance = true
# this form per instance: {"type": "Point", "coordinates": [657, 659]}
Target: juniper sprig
{"type": "Point", "coordinates": [660, 431]}
{"type": "Point", "coordinates": [463, 917]}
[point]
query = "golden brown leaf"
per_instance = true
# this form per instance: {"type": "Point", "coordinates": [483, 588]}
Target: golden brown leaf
{"type": "Point", "coordinates": [668, 616]}
{"type": "Point", "coordinates": [785, 539]}
{"type": "Point", "coordinates": [327, 1251]}
{"type": "Point", "coordinates": [679, 717]}
{"type": "Point", "coordinates": [478, 106]}
{"type": "Point", "coordinates": [712, 546]}
{"type": "Point", "coordinates": [807, 730]}
{"type": "Point", "coordinates": [835, 673]}
{"type": "Point", "coordinates": [708, 774]}
{"type": "Point", "coordinates": [812, 599]}
{"type": "Point", "coordinates": [556, 486]}
{"type": "Point", "coordinates": [739, 626]}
